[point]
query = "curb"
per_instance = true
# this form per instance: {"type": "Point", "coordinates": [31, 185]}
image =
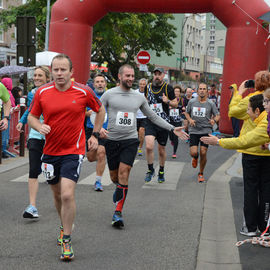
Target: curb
{"type": "Point", "coordinates": [217, 248]}
{"type": "Point", "coordinates": [12, 163]}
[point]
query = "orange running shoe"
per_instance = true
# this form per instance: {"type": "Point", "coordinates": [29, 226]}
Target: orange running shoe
{"type": "Point", "coordinates": [200, 178]}
{"type": "Point", "coordinates": [194, 162]}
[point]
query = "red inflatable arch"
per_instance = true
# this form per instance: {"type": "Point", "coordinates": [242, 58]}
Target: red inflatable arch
{"type": "Point", "coordinates": [245, 53]}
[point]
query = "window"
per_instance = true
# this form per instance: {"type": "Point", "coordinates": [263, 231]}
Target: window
{"type": "Point", "coordinates": [1, 3]}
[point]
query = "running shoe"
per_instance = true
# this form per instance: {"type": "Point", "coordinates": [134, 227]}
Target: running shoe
{"type": "Point", "coordinates": [140, 152]}
{"type": "Point", "coordinates": [98, 186]}
{"type": "Point", "coordinates": [67, 251]}
{"type": "Point", "coordinates": [194, 162]}
{"type": "Point", "coordinates": [30, 212]}
{"type": "Point", "coordinates": [60, 237]}
{"type": "Point", "coordinates": [244, 231]}
{"type": "Point", "coordinates": [200, 178]}
{"type": "Point", "coordinates": [117, 220]}
{"type": "Point", "coordinates": [149, 175]}
{"type": "Point", "coordinates": [174, 156]}
{"type": "Point", "coordinates": [161, 177]}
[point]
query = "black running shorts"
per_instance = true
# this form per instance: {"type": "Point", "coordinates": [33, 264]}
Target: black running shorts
{"type": "Point", "coordinates": [160, 134]}
{"type": "Point", "coordinates": [195, 140]}
{"type": "Point", "coordinates": [123, 151]}
{"type": "Point", "coordinates": [68, 166]}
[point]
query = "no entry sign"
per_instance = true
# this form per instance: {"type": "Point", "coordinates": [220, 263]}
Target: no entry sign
{"type": "Point", "coordinates": [143, 57]}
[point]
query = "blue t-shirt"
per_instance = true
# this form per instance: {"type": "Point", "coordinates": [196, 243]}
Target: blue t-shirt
{"type": "Point", "coordinates": [89, 124]}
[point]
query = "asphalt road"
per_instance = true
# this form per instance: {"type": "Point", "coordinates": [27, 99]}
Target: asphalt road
{"type": "Point", "coordinates": [162, 221]}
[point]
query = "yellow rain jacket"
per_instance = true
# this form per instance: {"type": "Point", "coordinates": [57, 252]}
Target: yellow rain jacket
{"type": "Point", "coordinates": [252, 139]}
{"type": "Point", "coordinates": [253, 133]}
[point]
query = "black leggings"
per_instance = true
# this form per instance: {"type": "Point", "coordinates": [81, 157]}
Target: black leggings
{"type": "Point", "coordinates": [174, 138]}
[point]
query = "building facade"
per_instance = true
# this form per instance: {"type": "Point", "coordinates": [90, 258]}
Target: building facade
{"type": "Point", "coordinates": [198, 49]}
{"type": "Point", "coordinates": [8, 38]}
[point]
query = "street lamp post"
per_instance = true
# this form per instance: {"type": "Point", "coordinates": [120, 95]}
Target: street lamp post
{"type": "Point", "coordinates": [181, 44]}
{"type": "Point", "coordinates": [47, 25]}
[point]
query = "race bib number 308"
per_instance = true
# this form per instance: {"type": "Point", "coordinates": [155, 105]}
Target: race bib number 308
{"type": "Point", "coordinates": [199, 112]}
{"type": "Point", "coordinates": [125, 119]}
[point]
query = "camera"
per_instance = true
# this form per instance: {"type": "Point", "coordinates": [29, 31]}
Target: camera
{"type": "Point", "coordinates": [250, 84]}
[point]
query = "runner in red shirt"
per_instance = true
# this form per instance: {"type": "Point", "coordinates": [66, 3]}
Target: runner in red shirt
{"type": "Point", "coordinates": [62, 104]}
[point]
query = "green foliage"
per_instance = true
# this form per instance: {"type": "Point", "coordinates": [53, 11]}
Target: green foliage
{"type": "Point", "coordinates": [37, 8]}
{"type": "Point", "coordinates": [117, 37]}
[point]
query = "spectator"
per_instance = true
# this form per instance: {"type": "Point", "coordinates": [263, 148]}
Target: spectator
{"type": "Point", "coordinates": [17, 94]}
{"type": "Point", "coordinates": [256, 168]}
{"type": "Point", "coordinates": [7, 82]}
{"type": "Point", "coordinates": [235, 122]}
{"type": "Point", "coordinates": [238, 109]}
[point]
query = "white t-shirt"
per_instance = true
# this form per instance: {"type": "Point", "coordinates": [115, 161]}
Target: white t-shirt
{"type": "Point", "coordinates": [140, 115]}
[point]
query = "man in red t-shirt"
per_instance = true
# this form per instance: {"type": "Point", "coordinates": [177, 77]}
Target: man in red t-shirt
{"type": "Point", "coordinates": [62, 104]}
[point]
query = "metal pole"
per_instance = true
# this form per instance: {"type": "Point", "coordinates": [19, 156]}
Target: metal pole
{"type": "Point", "coordinates": [181, 45]}
{"type": "Point", "coordinates": [47, 25]}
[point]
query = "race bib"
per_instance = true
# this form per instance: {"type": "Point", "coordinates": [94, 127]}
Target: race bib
{"type": "Point", "coordinates": [199, 112]}
{"type": "Point", "coordinates": [125, 119]}
{"type": "Point", "coordinates": [174, 112]}
{"type": "Point", "coordinates": [93, 117]}
{"type": "Point", "coordinates": [157, 108]}
{"type": "Point", "coordinates": [48, 171]}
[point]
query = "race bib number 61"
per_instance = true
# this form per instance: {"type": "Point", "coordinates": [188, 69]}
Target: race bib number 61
{"type": "Point", "coordinates": [125, 119]}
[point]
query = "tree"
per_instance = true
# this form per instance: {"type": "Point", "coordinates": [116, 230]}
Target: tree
{"type": "Point", "coordinates": [37, 8]}
{"type": "Point", "coordinates": [117, 37]}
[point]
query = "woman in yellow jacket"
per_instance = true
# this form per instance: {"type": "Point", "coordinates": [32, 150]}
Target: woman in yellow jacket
{"type": "Point", "coordinates": [256, 169]}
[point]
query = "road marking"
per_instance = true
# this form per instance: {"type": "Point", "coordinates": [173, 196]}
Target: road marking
{"type": "Point", "coordinates": [106, 180]}
{"type": "Point", "coordinates": [173, 170]}
{"type": "Point", "coordinates": [24, 178]}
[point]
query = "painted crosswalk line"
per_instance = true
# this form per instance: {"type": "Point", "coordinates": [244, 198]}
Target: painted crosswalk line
{"type": "Point", "coordinates": [172, 174]}
{"type": "Point", "coordinates": [89, 180]}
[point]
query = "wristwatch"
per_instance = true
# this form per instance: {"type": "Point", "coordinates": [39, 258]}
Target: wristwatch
{"type": "Point", "coordinates": [96, 134]}
{"type": "Point", "coordinates": [7, 117]}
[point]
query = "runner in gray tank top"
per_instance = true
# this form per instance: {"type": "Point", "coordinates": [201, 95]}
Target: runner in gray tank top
{"type": "Point", "coordinates": [122, 104]}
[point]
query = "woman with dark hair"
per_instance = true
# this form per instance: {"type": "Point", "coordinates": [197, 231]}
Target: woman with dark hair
{"type": "Point", "coordinates": [255, 163]}
{"type": "Point", "coordinates": [176, 117]}
{"type": "Point", "coordinates": [17, 94]}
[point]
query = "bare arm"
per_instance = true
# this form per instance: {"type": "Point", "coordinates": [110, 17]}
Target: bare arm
{"type": "Point", "coordinates": [190, 120]}
{"type": "Point", "coordinates": [100, 115]}
{"type": "Point", "coordinates": [35, 123]}
{"type": "Point", "coordinates": [6, 109]}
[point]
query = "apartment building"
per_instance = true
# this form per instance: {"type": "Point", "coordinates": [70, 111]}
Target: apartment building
{"type": "Point", "coordinates": [8, 38]}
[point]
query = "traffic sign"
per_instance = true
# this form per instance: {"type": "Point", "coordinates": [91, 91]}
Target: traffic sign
{"type": "Point", "coordinates": [143, 57]}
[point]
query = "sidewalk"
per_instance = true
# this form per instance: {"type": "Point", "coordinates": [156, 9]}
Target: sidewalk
{"type": "Point", "coordinates": [11, 163]}
{"type": "Point", "coordinates": [217, 248]}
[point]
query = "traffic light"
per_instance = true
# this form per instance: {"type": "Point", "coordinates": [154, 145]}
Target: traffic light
{"type": "Point", "coordinates": [185, 58]}
{"type": "Point", "coordinates": [26, 40]}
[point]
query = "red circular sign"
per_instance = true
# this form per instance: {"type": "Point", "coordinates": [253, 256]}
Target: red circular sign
{"type": "Point", "coordinates": [143, 57]}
